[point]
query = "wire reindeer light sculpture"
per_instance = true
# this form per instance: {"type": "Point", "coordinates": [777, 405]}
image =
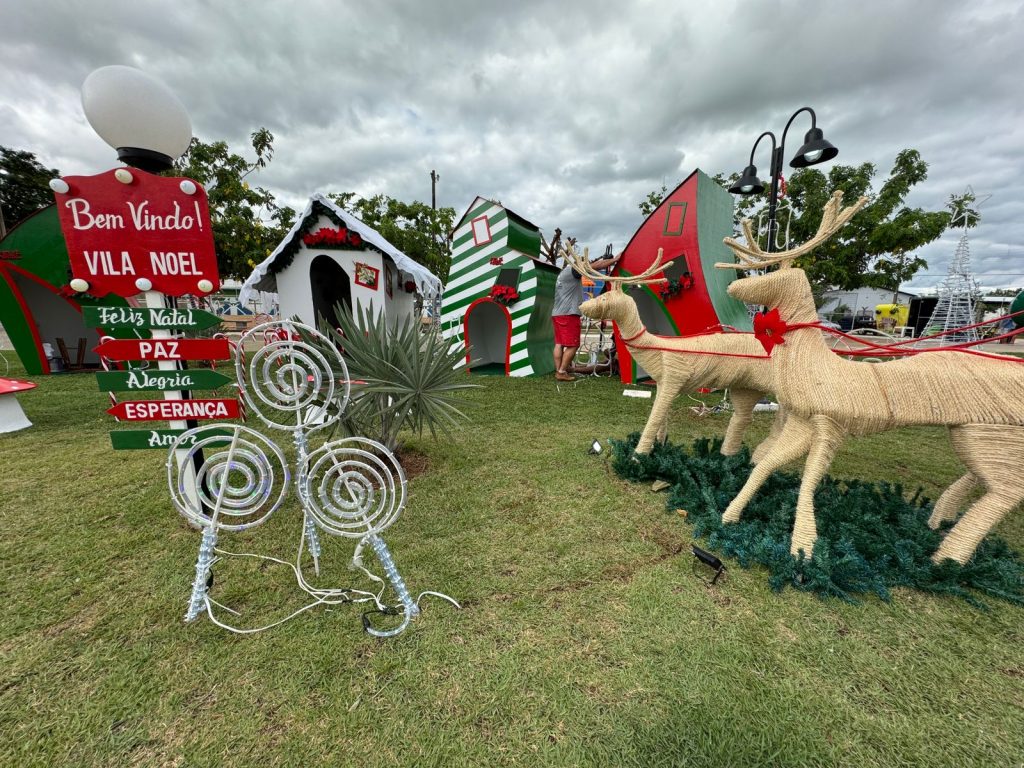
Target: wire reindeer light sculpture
{"type": "Point", "coordinates": [351, 488]}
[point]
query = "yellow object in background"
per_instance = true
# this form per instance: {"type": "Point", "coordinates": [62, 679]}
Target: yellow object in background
{"type": "Point", "coordinates": [888, 316]}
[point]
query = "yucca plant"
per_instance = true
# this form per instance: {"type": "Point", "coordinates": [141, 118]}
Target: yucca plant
{"type": "Point", "coordinates": [408, 377]}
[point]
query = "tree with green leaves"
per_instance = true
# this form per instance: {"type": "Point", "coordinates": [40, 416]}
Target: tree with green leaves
{"type": "Point", "coordinates": [416, 229]}
{"type": "Point", "coordinates": [247, 221]}
{"type": "Point", "coordinates": [24, 185]}
{"type": "Point", "coordinates": [877, 247]}
{"type": "Point", "coordinates": [648, 205]}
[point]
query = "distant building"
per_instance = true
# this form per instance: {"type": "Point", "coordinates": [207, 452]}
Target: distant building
{"type": "Point", "coordinates": [861, 301]}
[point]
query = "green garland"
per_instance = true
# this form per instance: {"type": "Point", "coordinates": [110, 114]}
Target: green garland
{"type": "Point", "coordinates": [287, 255]}
{"type": "Point", "coordinates": [870, 538]}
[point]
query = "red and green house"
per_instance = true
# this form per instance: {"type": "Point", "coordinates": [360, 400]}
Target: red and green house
{"type": "Point", "coordinates": [690, 225]}
{"type": "Point", "coordinates": [499, 294]}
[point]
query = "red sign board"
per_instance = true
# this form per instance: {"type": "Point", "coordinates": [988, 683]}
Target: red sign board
{"type": "Point", "coordinates": [127, 229]}
{"type": "Point", "coordinates": [165, 349]}
{"type": "Point", "coordinates": [175, 410]}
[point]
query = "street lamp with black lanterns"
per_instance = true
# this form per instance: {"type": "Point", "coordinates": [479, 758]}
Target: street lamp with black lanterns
{"type": "Point", "coordinates": [816, 149]}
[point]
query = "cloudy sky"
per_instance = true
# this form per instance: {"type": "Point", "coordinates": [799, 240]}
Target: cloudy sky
{"type": "Point", "coordinates": [569, 112]}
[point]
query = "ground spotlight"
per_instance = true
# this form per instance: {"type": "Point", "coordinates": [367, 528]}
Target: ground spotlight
{"type": "Point", "coordinates": [709, 560]}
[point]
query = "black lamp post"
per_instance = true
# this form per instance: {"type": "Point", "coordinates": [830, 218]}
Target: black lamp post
{"type": "Point", "coordinates": [816, 149]}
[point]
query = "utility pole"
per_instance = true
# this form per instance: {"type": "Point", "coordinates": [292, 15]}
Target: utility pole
{"type": "Point", "coordinates": [433, 189]}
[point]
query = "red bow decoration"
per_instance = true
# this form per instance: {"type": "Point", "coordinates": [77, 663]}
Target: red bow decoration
{"type": "Point", "coordinates": [769, 329]}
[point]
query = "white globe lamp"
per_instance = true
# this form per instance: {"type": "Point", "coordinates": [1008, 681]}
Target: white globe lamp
{"type": "Point", "coordinates": [137, 115]}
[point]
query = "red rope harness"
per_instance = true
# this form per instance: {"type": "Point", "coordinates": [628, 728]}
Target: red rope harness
{"type": "Point", "coordinates": [778, 328]}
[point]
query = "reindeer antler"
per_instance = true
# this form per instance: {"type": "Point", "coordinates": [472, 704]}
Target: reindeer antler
{"type": "Point", "coordinates": [582, 265]}
{"type": "Point", "coordinates": [751, 256]}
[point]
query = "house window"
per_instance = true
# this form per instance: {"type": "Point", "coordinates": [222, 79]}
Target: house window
{"type": "Point", "coordinates": [675, 216]}
{"type": "Point", "coordinates": [481, 231]}
{"type": "Point", "coordinates": [508, 276]}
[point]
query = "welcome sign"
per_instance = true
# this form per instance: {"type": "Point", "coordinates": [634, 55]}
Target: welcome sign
{"type": "Point", "coordinates": [126, 227]}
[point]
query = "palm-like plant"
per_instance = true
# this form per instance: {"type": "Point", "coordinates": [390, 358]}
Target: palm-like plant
{"type": "Point", "coordinates": [407, 378]}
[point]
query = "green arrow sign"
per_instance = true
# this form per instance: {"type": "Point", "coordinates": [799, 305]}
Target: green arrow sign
{"type": "Point", "coordinates": [142, 317]}
{"type": "Point", "coordinates": [135, 439]}
{"type": "Point", "coordinates": [149, 379]}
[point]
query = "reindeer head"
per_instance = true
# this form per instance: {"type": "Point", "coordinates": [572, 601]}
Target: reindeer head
{"type": "Point", "coordinates": [614, 304]}
{"type": "Point", "coordinates": [786, 289]}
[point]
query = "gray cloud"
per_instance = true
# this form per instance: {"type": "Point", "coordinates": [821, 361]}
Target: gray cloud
{"type": "Point", "coordinates": [569, 113]}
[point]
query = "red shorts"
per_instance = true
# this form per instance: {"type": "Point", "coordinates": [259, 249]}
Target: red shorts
{"type": "Point", "coordinates": [567, 330]}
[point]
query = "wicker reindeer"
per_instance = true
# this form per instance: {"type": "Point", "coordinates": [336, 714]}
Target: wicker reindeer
{"type": "Point", "coordinates": [721, 360]}
{"type": "Point", "coordinates": [980, 397]}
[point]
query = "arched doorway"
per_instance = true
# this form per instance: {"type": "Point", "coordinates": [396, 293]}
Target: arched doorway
{"type": "Point", "coordinates": [655, 318]}
{"type": "Point", "coordinates": [487, 328]}
{"type": "Point", "coordinates": [331, 286]}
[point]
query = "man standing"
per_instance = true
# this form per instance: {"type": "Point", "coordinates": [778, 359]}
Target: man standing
{"type": "Point", "coordinates": [566, 314]}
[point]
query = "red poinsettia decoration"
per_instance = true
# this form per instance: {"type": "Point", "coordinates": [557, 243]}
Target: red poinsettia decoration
{"type": "Point", "coordinates": [334, 238]}
{"type": "Point", "coordinates": [497, 261]}
{"type": "Point", "coordinates": [769, 329]}
{"type": "Point", "coordinates": [504, 294]}
{"type": "Point", "coordinates": [674, 287]}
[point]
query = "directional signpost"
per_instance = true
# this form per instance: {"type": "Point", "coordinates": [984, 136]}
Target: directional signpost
{"type": "Point", "coordinates": [145, 318]}
{"type": "Point", "coordinates": [175, 410]}
{"type": "Point", "coordinates": [165, 349]}
{"type": "Point", "coordinates": [147, 380]}
{"type": "Point", "coordinates": [135, 439]}
{"type": "Point", "coordinates": [131, 232]}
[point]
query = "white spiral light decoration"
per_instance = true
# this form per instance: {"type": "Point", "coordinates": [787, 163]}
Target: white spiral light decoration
{"type": "Point", "coordinates": [290, 383]}
{"type": "Point", "coordinates": [243, 477]}
{"type": "Point", "coordinates": [353, 487]}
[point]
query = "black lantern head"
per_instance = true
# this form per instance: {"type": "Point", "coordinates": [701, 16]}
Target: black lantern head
{"type": "Point", "coordinates": [816, 149]}
{"type": "Point", "coordinates": [145, 159]}
{"type": "Point", "coordinates": [748, 183]}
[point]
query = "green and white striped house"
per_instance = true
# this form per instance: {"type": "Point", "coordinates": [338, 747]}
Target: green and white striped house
{"type": "Point", "coordinates": [492, 246]}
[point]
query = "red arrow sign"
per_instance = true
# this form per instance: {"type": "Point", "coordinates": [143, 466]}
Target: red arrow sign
{"type": "Point", "coordinates": [175, 410]}
{"type": "Point", "coordinates": [165, 349]}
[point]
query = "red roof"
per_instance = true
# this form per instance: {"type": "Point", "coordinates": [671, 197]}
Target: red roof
{"type": "Point", "coordinates": [7, 386]}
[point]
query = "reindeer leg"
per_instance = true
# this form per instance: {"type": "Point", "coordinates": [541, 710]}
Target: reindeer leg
{"type": "Point", "coordinates": [743, 402]}
{"type": "Point", "coordinates": [662, 436]}
{"type": "Point", "coordinates": [990, 452]}
{"type": "Point", "coordinates": [773, 435]}
{"type": "Point", "coordinates": [793, 443]}
{"type": "Point", "coordinates": [827, 438]}
{"type": "Point", "coordinates": [974, 526]}
{"type": "Point", "coordinates": [658, 420]}
{"type": "Point", "coordinates": [952, 499]}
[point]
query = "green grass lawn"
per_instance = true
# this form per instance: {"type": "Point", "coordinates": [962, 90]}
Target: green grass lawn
{"type": "Point", "coordinates": [585, 638]}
